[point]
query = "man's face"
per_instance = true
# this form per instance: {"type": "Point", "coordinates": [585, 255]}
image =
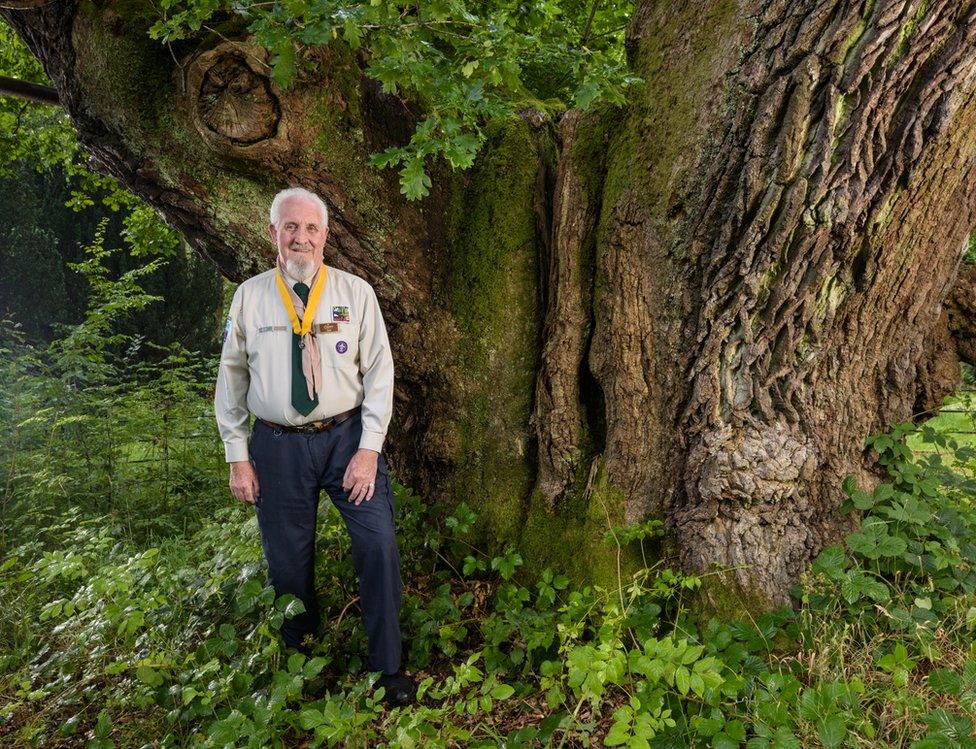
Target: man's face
{"type": "Point", "coordinates": [300, 236]}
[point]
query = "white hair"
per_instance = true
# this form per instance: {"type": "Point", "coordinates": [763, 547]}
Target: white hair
{"type": "Point", "coordinates": [297, 192]}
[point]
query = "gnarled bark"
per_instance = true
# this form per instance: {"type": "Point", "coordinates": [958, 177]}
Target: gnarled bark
{"type": "Point", "coordinates": [830, 229]}
{"type": "Point", "coordinates": [961, 317]}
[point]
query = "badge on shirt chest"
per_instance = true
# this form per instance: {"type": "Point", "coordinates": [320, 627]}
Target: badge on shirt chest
{"type": "Point", "coordinates": [340, 314]}
{"type": "Point", "coordinates": [328, 327]}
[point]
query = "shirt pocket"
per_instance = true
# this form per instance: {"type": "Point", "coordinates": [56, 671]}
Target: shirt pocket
{"type": "Point", "coordinates": [267, 340]}
{"type": "Point", "coordinates": [339, 345]}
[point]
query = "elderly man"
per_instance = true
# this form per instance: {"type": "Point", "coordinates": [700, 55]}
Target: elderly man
{"type": "Point", "coordinates": [306, 351]}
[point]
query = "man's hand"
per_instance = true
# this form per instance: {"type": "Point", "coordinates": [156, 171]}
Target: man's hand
{"type": "Point", "coordinates": [244, 481]}
{"type": "Point", "coordinates": [360, 475]}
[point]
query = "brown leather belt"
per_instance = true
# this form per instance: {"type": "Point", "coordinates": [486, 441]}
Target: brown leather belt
{"type": "Point", "coordinates": [314, 426]}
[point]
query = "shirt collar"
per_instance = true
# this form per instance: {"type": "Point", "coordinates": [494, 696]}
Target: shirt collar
{"type": "Point", "coordinates": [291, 281]}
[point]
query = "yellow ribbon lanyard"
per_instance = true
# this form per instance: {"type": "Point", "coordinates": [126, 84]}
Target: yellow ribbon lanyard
{"type": "Point", "coordinates": [304, 327]}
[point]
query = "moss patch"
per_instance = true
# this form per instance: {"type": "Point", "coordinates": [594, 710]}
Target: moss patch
{"type": "Point", "coordinates": [905, 34]}
{"type": "Point", "coordinates": [722, 597]}
{"type": "Point", "coordinates": [571, 539]}
{"type": "Point", "coordinates": [852, 39]}
{"type": "Point", "coordinates": [339, 146]}
{"type": "Point", "coordinates": [494, 298]}
{"type": "Point", "coordinates": [126, 75]}
{"type": "Point", "coordinates": [663, 123]}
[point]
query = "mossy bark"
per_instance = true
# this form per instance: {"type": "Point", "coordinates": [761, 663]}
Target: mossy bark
{"type": "Point", "coordinates": [493, 294]}
{"type": "Point", "coordinates": [693, 307]}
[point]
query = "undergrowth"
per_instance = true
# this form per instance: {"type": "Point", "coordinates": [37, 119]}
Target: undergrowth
{"type": "Point", "coordinates": [134, 609]}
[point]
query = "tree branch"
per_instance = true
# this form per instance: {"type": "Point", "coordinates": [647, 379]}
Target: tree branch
{"type": "Point", "coordinates": [31, 91]}
{"type": "Point", "coordinates": [584, 38]}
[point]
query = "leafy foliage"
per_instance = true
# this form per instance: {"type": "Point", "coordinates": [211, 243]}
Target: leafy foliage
{"type": "Point", "coordinates": [463, 62]}
{"type": "Point", "coordinates": [28, 131]}
{"type": "Point", "coordinates": [50, 205]}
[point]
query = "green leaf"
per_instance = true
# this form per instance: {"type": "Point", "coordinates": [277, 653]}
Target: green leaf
{"type": "Point", "coordinates": [103, 726]}
{"type": "Point", "coordinates": [414, 182]}
{"type": "Point", "coordinates": [832, 731]}
{"type": "Point", "coordinates": [352, 33]}
{"type": "Point", "coordinates": [857, 585]}
{"type": "Point", "coordinates": [389, 157]}
{"type": "Point", "coordinates": [283, 64]}
{"type": "Point", "coordinates": [586, 94]}
{"type": "Point", "coordinates": [295, 662]}
{"type": "Point", "coordinates": [831, 561]}
{"type": "Point", "coordinates": [619, 732]}
{"type": "Point", "coordinates": [148, 675]}
{"type": "Point", "coordinates": [295, 8]}
{"type": "Point", "coordinates": [314, 667]}
{"type": "Point", "coordinates": [882, 443]}
{"type": "Point", "coordinates": [315, 32]}
{"type": "Point", "coordinates": [692, 654]}
{"type": "Point", "coordinates": [910, 510]}
{"type": "Point", "coordinates": [682, 680]}
{"type": "Point", "coordinates": [883, 492]}
{"type": "Point", "coordinates": [736, 730]}
{"type": "Point", "coordinates": [472, 565]}
{"type": "Point", "coordinates": [290, 606]}
{"type": "Point", "coordinates": [784, 739]}
{"type": "Point", "coordinates": [460, 151]}
{"type": "Point", "coordinates": [862, 500]}
{"type": "Point", "coordinates": [945, 681]}
{"type": "Point", "coordinates": [711, 725]}
{"type": "Point", "coordinates": [311, 718]}
{"type": "Point", "coordinates": [502, 691]}
{"type": "Point", "coordinates": [724, 741]}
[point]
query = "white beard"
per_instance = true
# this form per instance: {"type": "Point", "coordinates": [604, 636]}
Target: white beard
{"type": "Point", "coordinates": [299, 268]}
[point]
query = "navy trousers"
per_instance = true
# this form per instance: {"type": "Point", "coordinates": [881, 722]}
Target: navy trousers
{"type": "Point", "coordinates": [292, 469]}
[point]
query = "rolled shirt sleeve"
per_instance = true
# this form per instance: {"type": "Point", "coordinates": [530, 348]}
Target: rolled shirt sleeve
{"type": "Point", "coordinates": [233, 379]}
{"type": "Point", "coordinates": [376, 367]}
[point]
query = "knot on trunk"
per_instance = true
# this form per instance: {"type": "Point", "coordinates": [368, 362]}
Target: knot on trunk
{"type": "Point", "coordinates": [752, 511]}
{"type": "Point", "coordinates": [237, 103]}
{"type": "Point", "coordinates": [763, 463]}
{"type": "Point", "coordinates": [234, 102]}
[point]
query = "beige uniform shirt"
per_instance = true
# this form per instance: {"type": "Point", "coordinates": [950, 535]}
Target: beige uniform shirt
{"type": "Point", "coordinates": [255, 364]}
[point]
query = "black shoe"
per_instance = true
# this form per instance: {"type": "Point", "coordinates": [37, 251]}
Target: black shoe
{"type": "Point", "coordinates": [399, 689]}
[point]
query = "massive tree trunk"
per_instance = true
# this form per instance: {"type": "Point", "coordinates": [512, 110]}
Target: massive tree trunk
{"type": "Point", "coordinates": [695, 307]}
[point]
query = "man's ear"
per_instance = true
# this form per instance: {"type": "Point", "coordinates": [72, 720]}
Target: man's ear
{"type": "Point", "coordinates": [273, 233]}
